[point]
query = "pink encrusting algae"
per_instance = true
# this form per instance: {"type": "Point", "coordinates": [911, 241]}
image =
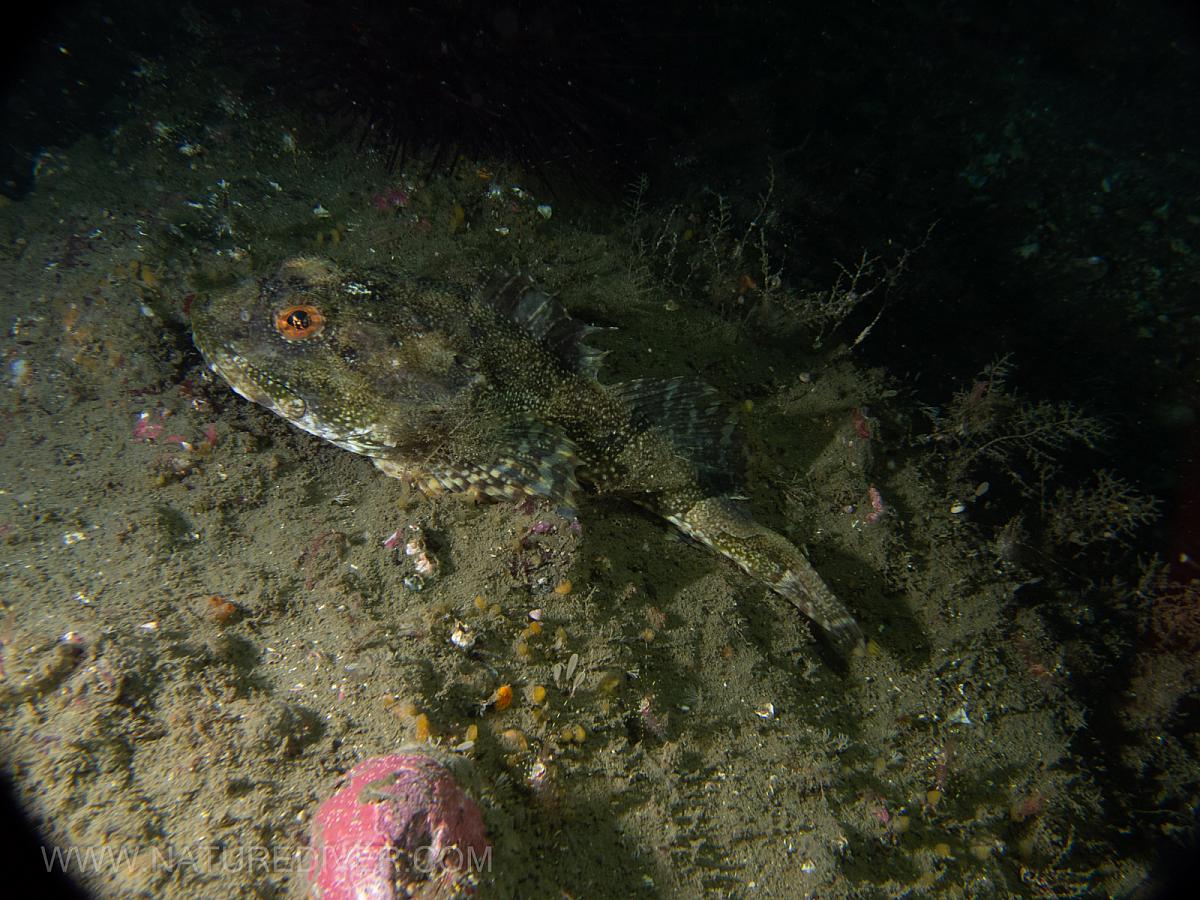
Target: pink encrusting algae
{"type": "Point", "coordinates": [398, 826]}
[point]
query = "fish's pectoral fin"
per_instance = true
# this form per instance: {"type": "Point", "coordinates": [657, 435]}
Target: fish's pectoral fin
{"type": "Point", "coordinates": [528, 459]}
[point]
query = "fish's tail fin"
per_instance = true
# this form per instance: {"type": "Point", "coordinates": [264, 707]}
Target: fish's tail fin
{"type": "Point", "coordinates": [773, 560]}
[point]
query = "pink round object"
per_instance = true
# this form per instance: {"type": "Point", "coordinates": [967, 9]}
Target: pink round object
{"type": "Point", "coordinates": [398, 826]}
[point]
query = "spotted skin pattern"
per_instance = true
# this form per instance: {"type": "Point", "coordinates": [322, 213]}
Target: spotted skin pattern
{"type": "Point", "coordinates": [492, 391]}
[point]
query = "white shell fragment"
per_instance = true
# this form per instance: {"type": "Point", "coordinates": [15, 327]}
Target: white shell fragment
{"type": "Point", "coordinates": [423, 561]}
{"type": "Point", "coordinates": [462, 636]}
{"type": "Point", "coordinates": [766, 711]}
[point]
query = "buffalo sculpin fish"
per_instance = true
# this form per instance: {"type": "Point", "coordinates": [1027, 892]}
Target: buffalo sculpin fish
{"type": "Point", "coordinates": [492, 391]}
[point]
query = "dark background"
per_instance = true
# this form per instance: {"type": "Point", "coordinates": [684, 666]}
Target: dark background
{"type": "Point", "coordinates": [994, 123]}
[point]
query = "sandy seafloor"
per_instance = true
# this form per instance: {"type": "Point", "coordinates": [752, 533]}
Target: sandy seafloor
{"type": "Point", "coordinates": [724, 751]}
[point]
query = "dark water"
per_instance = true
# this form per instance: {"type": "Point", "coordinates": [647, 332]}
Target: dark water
{"type": "Point", "coordinates": [1039, 160]}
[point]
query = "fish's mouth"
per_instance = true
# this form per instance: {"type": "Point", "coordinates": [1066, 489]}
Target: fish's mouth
{"type": "Point", "coordinates": [254, 385]}
{"type": "Point", "coordinates": [248, 382]}
{"type": "Point", "coordinates": [233, 369]}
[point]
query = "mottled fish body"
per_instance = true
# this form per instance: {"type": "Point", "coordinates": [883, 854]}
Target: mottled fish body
{"type": "Point", "coordinates": [494, 392]}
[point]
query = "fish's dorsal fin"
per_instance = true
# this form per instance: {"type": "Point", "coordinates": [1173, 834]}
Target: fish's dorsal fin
{"type": "Point", "coordinates": [693, 417]}
{"type": "Point", "coordinates": [545, 318]}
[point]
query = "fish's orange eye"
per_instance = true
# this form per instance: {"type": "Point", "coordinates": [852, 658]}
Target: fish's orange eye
{"type": "Point", "coordinates": [299, 322]}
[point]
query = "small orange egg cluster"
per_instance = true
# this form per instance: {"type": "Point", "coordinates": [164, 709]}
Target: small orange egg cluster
{"type": "Point", "coordinates": [503, 697]}
{"type": "Point", "coordinates": [221, 610]}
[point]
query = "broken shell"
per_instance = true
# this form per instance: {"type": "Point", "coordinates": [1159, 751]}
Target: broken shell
{"type": "Point", "coordinates": [766, 711]}
{"type": "Point", "coordinates": [425, 564]}
{"type": "Point", "coordinates": [415, 543]}
{"type": "Point", "coordinates": [959, 717]}
{"type": "Point", "coordinates": [958, 507]}
{"type": "Point", "coordinates": [462, 636]}
{"type": "Point", "coordinates": [423, 561]}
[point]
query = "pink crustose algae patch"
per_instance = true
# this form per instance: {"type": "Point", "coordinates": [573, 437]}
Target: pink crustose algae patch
{"type": "Point", "coordinates": [397, 826]}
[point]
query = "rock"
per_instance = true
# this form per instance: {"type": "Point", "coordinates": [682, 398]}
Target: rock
{"type": "Point", "coordinates": [397, 826]}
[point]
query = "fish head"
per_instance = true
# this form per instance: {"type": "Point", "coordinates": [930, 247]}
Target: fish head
{"type": "Point", "coordinates": [371, 372]}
